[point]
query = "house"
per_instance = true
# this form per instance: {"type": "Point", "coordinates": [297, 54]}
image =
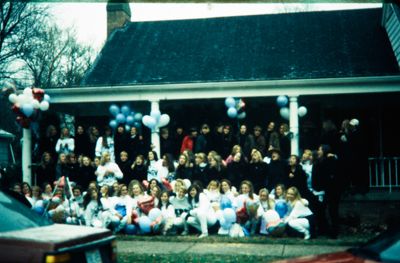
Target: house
{"type": "Point", "coordinates": [346, 60]}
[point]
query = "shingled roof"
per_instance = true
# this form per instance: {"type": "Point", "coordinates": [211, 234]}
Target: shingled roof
{"type": "Point", "coordinates": [263, 47]}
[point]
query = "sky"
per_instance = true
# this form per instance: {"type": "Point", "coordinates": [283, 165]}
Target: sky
{"type": "Point", "coordinates": [89, 19]}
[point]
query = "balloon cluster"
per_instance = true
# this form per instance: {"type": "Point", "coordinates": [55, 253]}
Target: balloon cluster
{"type": "Point", "coordinates": [235, 108]}
{"type": "Point", "coordinates": [28, 104]}
{"type": "Point", "coordinates": [144, 224]}
{"type": "Point", "coordinates": [284, 111]}
{"type": "Point", "coordinates": [155, 120]}
{"type": "Point", "coordinates": [227, 214]}
{"type": "Point", "coordinates": [124, 116]}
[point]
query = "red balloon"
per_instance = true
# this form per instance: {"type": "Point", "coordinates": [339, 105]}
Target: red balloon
{"type": "Point", "coordinates": [37, 91]}
{"type": "Point", "coordinates": [38, 94]}
{"type": "Point", "coordinates": [16, 109]}
{"type": "Point", "coordinates": [23, 121]}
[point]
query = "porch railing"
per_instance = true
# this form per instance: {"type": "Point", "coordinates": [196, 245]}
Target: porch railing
{"type": "Point", "coordinates": [384, 173]}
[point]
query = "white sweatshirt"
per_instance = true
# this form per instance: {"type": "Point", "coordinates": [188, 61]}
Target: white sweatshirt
{"type": "Point", "coordinates": [110, 178]}
{"type": "Point", "coordinates": [298, 209]}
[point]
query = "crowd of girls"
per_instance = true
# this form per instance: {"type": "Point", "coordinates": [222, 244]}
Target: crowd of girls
{"type": "Point", "coordinates": [256, 187]}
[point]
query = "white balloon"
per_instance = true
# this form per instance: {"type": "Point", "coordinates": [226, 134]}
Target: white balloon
{"type": "Point", "coordinates": [46, 97]}
{"type": "Point", "coordinates": [22, 99]}
{"type": "Point", "coordinates": [13, 98]}
{"type": "Point", "coordinates": [164, 120]}
{"type": "Point", "coordinates": [156, 114]}
{"type": "Point", "coordinates": [36, 104]}
{"type": "Point", "coordinates": [302, 111]}
{"type": "Point", "coordinates": [149, 121]}
{"type": "Point", "coordinates": [28, 92]}
{"type": "Point", "coordinates": [44, 105]}
{"type": "Point", "coordinates": [285, 113]}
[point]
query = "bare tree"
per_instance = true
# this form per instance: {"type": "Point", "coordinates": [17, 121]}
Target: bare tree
{"type": "Point", "coordinates": [55, 58]}
{"type": "Point", "coordinates": [18, 21]}
{"type": "Point", "coordinates": [77, 59]}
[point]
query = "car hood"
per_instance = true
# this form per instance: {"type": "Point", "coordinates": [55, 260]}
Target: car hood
{"type": "Point", "coordinates": [337, 257]}
{"type": "Point", "coordinates": [55, 237]}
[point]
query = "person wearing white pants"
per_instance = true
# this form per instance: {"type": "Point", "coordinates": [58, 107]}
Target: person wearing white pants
{"type": "Point", "coordinates": [202, 215]}
{"type": "Point", "coordinates": [299, 213]}
{"type": "Point", "coordinates": [181, 205]}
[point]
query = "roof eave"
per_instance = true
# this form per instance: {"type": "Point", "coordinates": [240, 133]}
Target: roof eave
{"type": "Point", "coordinates": [260, 88]}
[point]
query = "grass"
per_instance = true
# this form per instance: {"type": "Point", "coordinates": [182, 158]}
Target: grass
{"type": "Point", "coordinates": [351, 240]}
{"type": "Point", "coordinates": [348, 239]}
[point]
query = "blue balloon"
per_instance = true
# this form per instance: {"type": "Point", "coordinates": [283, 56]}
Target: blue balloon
{"type": "Point", "coordinates": [281, 208]}
{"type": "Point", "coordinates": [130, 229]}
{"type": "Point", "coordinates": [230, 102]}
{"type": "Point", "coordinates": [130, 119]}
{"type": "Point", "coordinates": [242, 115]}
{"type": "Point", "coordinates": [225, 202]}
{"type": "Point", "coordinates": [39, 210]}
{"type": "Point", "coordinates": [137, 124]}
{"type": "Point", "coordinates": [127, 127]}
{"type": "Point", "coordinates": [120, 118]}
{"type": "Point", "coordinates": [114, 110]}
{"type": "Point", "coordinates": [27, 109]}
{"type": "Point", "coordinates": [113, 124]}
{"type": "Point", "coordinates": [125, 110]}
{"type": "Point", "coordinates": [226, 225]}
{"type": "Point", "coordinates": [232, 112]}
{"type": "Point", "coordinates": [154, 213]}
{"type": "Point", "coordinates": [282, 101]}
{"type": "Point", "coordinates": [138, 116]}
{"type": "Point", "coordinates": [145, 224]}
{"type": "Point", "coordinates": [229, 215]}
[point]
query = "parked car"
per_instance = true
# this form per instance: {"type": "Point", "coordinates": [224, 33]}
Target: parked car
{"type": "Point", "coordinates": [27, 237]}
{"type": "Point", "coordinates": [384, 248]}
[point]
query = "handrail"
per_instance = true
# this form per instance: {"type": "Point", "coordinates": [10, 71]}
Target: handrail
{"type": "Point", "coordinates": [384, 172]}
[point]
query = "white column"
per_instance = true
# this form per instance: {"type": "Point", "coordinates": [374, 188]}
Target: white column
{"type": "Point", "coordinates": [294, 125]}
{"type": "Point", "coordinates": [155, 135]}
{"type": "Point", "coordinates": [27, 156]}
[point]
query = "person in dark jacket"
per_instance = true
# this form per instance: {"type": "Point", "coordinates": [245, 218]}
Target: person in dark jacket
{"type": "Point", "coordinates": [325, 179]}
{"type": "Point", "coordinates": [246, 141]}
{"type": "Point", "coordinates": [139, 169]}
{"type": "Point", "coordinates": [120, 142]}
{"type": "Point", "coordinates": [200, 169]}
{"type": "Point", "coordinates": [45, 171]}
{"type": "Point", "coordinates": [125, 165]}
{"type": "Point", "coordinates": [276, 169]}
{"type": "Point", "coordinates": [284, 141]}
{"type": "Point", "coordinates": [135, 144]}
{"type": "Point", "coordinates": [204, 140]}
{"type": "Point", "coordinates": [86, 173]}
{"type": "Point", "coordinates": [167, 144]}
{"type": "Point", "coordinates": [184, 169]}
{"type": "Point", "coordinates": [236, 170]}
{"type": "Point", "coordinates": [82, 143]}
{"type": "Point", "coordinates": [257, 171]}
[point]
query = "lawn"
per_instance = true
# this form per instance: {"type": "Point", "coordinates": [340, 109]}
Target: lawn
{"type": "Point", "coordinates": [343, 240]}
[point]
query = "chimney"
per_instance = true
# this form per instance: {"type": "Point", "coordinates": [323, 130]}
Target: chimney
{"type": "Point", "coordinates": [118, 13]}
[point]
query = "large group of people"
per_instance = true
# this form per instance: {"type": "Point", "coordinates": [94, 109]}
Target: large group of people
{"type": "Point", "coordinates": [219, 182]}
